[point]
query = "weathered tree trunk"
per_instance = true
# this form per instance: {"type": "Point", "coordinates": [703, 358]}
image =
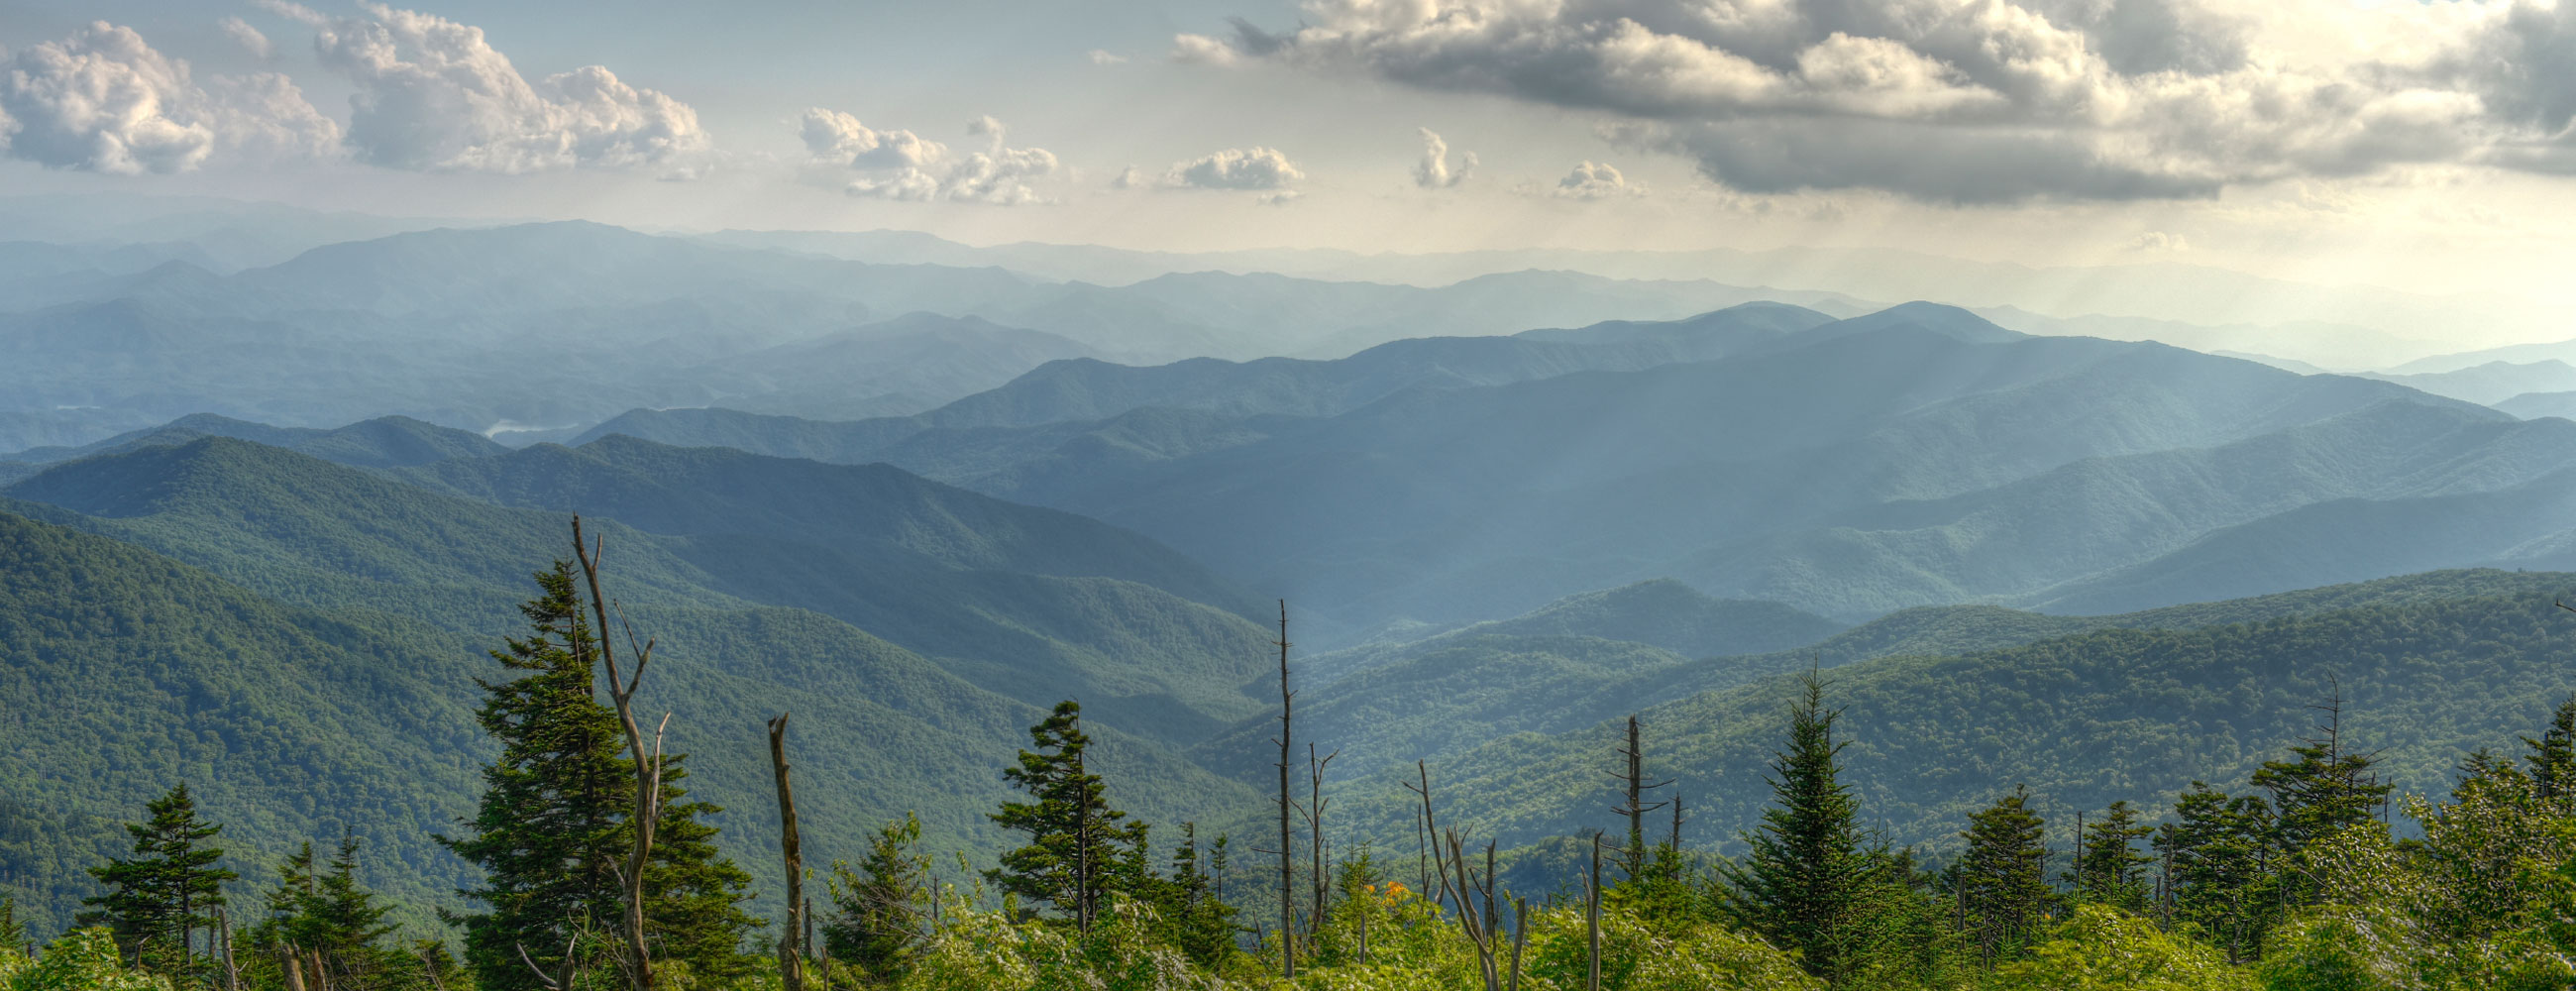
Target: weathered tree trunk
{"type": "Point", "coordinates": [1633, 859]}
{"type": "Point", "coordinates": [1082, 866]}
{"type": "Point", "coordinates": [793, 949]}
{"type": "Point", "coordinates": [293, 964]}
{"type": "Point", "coordinates": [648, 765]}
{"type": "Point", "coordinates": [1316, 849]}
{"type": "Point", "coordinates": [1287, 862]}
{"type": "Point", "coordinates": [1592, 919]}
{"type": "Point", "coordinates": [224, 927]}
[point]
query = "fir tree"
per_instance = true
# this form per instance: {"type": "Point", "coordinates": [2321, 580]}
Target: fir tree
{"type": "Point", "coordinates": [2110, 869]}
{"type": "Point", "coordinates": [2219, 852]}
{"type": "Point", "coordinates": [551, 833]}
{"type": "Point", "coordinates": [2553, 755]}
{"type": "Point", "coordinates": [1072, 858]}
{"type": "Point", "coordinates": [2002, 878]}
{"type": "Point", "coordinates": [2323, 787]}
{"type": "Point", "coordinates": [1807, 875]}
{"type": "Point", "coordinates": [880, 907]}
{"type": "Point", "coordinates": [1200, 922]}
{"type": "Point", "coordinates": [159, 898]}
{"type": "Point", "coordinates": [13, 933]}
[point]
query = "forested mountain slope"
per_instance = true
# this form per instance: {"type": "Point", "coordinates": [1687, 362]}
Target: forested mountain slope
{"type": "Point", "coordinates": [1576, 663]}
{"type": "Point", "coordinates": [2083, 720]}
{"type": "Point", "coordinates": [961, 578]}
{"type": "Point", "coordinates": [290, 722]}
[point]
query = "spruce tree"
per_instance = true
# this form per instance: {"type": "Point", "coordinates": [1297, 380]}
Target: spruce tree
{"type": "Point", "coordinates": [2323, 787]}
{"type": "Point", "coordinates": [1199, 920]}
{"type": "Point", "coordinates": [158, 899]}
{"type": "Point", "coordinates": [1073, 856]}
{"type": "Point", "coordinates": [326, 920]}
{"type": "Point", "coordinates": [2002, 878]}
{"type": "Point", "coordinates": [13, 933]}
{"type": "Point", "coordinates": [1807, 874]}
{"type": "Point", "coordinates": [551, 832]}
{"type": "Point", "coordinates": [2221, 854]}
{"type": "Point", "coordinates": [2110, 868]}
{"type": "Point", "coordinates": [2553, 756]}
{"type": "Point", "coordinates": [880, 907]}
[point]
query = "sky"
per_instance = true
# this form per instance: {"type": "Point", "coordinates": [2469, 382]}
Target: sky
{"type": "Point", "coordinates": [2420, 146]}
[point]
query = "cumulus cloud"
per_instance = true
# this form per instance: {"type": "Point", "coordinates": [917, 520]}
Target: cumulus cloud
{"type": "Point", "coordinates": [1988, 100]}
{"type": "Point", "coordinates": [247, 37]}
{"type": "Point", "coordinates": [1434, 171]}
{"type": "Point", "coordinates": [1235, 168]}
{"type": "Point", "coordinates": [1594, 181]}
{"type": "Point", "coordinates": [1103, 56]}
{"type": "Point", "coordinates": [433, 94]}
{"type": "Point", "coordinates": [104, 101]}
{"type": "Point", "coordinates": [1129, 178]}
{"type": "Point", "coordinates": [901, 165]}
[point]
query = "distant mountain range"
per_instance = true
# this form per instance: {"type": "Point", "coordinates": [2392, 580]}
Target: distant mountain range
{"type": "Point", "coordinates": [540, 327]}
{"type": "Point", "coordinates": [1919, 455]}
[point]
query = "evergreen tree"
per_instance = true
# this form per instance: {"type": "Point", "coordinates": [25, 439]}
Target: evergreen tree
{"type": "Point", "coordinates": [2322, 788]}
{"type": "Point", "coordinates": [551, 833]}
{"type": "Point", "coordinates": [2110, 869]}
{"type": "Point", "coordinates": [1072, 858]}
{"type": "Point", "coordinates": [1806, 876]}
{"type": "Point", "coordinates": [159, 898]}
{"type": "Point", "coordinates": [2220, 853]}
{"type": "Point", "coordinates": [329, 922]}
{"type": "Point", "coordinates": [2553, 755]}
{"type": "Point", "coordinates": [1200, 921]}
{"type": "Point", "coordinates": [2002, 878]}
{"type": "Point", "coordinates": [880, 908]}
{"type": "Point", "coordinates": [13, 933]}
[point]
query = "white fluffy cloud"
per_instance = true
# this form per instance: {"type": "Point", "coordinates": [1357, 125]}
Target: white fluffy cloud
{"type": "Point", "coordinates": [1594, 181]}
{"type": "Point", "coordinates": [1236, 168]}
{"type": "Point", "coordinates": [901, 165]}
{"type": "Point", "coordinates": [102, 100]}
{"type": "Point", "coordinates": [433, 94]}
{"type": "Point", "coordinates": [1989, 100]}
{"type": "Point", "coordinates": [1434, 170]}
{"type": "Point", "coordinates": [247, 37]}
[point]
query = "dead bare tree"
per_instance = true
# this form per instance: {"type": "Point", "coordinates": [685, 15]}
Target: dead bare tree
{"type": "Point", "coordinates": [1439, 895]}
{"type": "Point", "coordinates": [1315, 849]}
{"type": "Point", "coordinates": [1592, 918]}
{"type": "Point", "coordinates": [1287, 860]}
{"type": "Point", "coordinates": [232, 971]}
{"type": "Point", "coordinates": [648, 764]}
{"type": "Point", "coordinates": [1633, 859]}
{"type": "Point", "coordinates": [793, 949]}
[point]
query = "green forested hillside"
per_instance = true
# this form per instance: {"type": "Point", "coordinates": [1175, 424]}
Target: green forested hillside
{"type": "Point", "coordinates": [2083, 720]}
{"type": "Point", "coordinates": [1035, 603]}
{"type": "Point", "coordinates": [384, 442]}
{"type": "Point", "coordinates": [291, 722]}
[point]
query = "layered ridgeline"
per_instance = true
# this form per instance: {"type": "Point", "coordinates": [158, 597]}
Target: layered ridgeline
{"type": "Point", "coordinates": [556, 326]}
{"type": "Point", "coordinates": [1916, 456]}
{"type": "Point", "coordinates": [1590, 659]}
{"type": "Point", "coordinates": [293, 569]}
{"type": "Point", "coordinates": [2428, 668]}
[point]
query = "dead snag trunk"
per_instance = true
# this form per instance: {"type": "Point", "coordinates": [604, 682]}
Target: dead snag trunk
{"type": "Point", "coordinates": [648, 763]}
{"type": "Point", "coordinates": [1316, 906]}
{"type": "Point", "coordinates": [792, 950]}
{"type": "Point", "coordinates": [1592, 920]}
{"type": "Point", "coordinates": [1633, 805]}
{"type": "Point", "coordinates": [1287, 862]}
